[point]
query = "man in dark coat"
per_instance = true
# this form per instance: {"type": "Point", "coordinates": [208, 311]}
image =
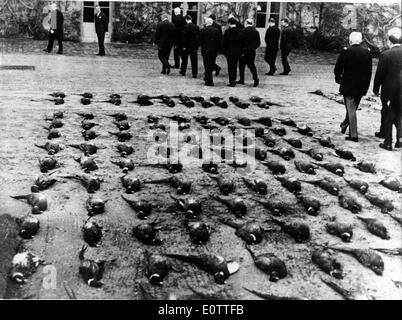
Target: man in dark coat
{"type": "Point", "coordinates": [233, 48]}
{"type": "Point", "coordinates": [353, 73]}
{"type": "Point", "coordinates": [56, 29]}
{"type": "Point", "coordinates": [190, 47]}
{"type": "Point", "coordinates": [272, 41]}
{"type": "Point", "coordinates": [286, 44]}
{"type": "Point", "coordinates": [165, 37]}
{"type": "Point", "coordinates": [210, 41]}
{"type": "Point", "coordinates": [179, 22]}
{"type": "Point", "coordinates": [101, 27]}
{"type": "Point", "coordinates": [388, 77]}
{"type": "Point", "coordinates": [217, 68]}
{"type": "Point", "coordinates": [251, 43]}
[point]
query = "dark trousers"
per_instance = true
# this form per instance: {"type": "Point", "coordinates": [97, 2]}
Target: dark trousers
{"type": "Point", "coordinates": [248, 60]}
{"type": "Point", "coordinates": [177, 53]}
{"type": "Point", "coordinates": [209, 65]}
{"type": "Point", "coordinates": [270, 58]}
{"type": "Point", "coordinates": [233, 62]}
{"type": "Point", "coordinates": [383, 115]}
{"type": "Point", "coordinates": [284, 58]}
{"type": "Point", "coordinates": [392, 116]}
{"type": "Point", "coordinates": [351, 104]}
{"type": "Point", "coordinates": [163, 55]}
{"type": "Point", "coordinates": [194, 62]}
{"type": "Point", "coordinates": [55, 35]}
{"type": "Point", "coordinates": [101, 42]}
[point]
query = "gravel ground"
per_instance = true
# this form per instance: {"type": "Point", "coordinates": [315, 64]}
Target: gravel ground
{"type": "Point", "coordinates": [60, 237]}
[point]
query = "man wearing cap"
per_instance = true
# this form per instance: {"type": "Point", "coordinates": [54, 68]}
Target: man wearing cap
{"type": "Point", "coordinates": [165, 38]}
{"type": "Point", "coordinates": [233, 48]}
{"type": "Point", "coordinates": [217, 68]}
{"type": "Point", "coordinates": [286, 44]}
{"type": "Point", "coordinates": [179, 22]}
{"type": "Point", "coordinates": [272, 45]}
{"type": "Point", "coordinates": [353, 73]}
{"type": "Point", "coordinates": [101, 26]}
{"type": "Point", "coordinates": [190, 47]}
{"type": "Point", "coordinates": [251, 43]}
{"type": "Point", "coordinates": [388, 77]}
{"type": "Point", "coordinates": [56, 29]}
{"type": "Point", "coordinates": [210, 41]}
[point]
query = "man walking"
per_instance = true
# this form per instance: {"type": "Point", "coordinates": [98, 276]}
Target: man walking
{"type": "Point", "coordinates": [388, 77]}
{"type": "Point", "coordinates": [190, 47]}
{"type": "Point", "coordinates": [179, 23]}
{"type": "Point", "coordinates": [286, 44]}
{"type": "Point", "coordinates": [165, 37]}
{"type": "Point", "coordinates": [210, 41]}
{"type": "Point", "coordinates": [272, 45]}
{"type": "Point", "coordinates": [353, 73]}
{"type": "Point", "coordinates": [251, 43]}
{"type": "Point", "coordinates": [217, 68]}
{"type": "Point", "coordinates": [56, 29]}
{"type": "Point", "coordinates": [233, 49]}
{"type": "Point", "coordinates": [101, 27]}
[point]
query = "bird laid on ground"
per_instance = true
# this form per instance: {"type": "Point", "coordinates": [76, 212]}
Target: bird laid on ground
{"type": "Point", "coordinates": [23, 265]}
{"type": "Point", "coordinates": [310, 204]}
{"type": "Point", "coordinates": [266, 121]}
{"type": "Point", "coordinates": [314, 153]}
{"type": "Point", "coordinates": [87, 148]}
{"type": "Point", "coordinates": [367, 257]}
{"type": "Point", "coordinates": [280, 131]}
{"type": "Point", "coordinates": [328, 184]}
{"type": "Point", "coordinates": [28, 226]}
{"type": "Point", "coordinates": [348, 201]}
{"type": "Point", "coordinates": [122, 136]}
{"type": "Point", "coordinates": [366, 166]}
{"type": "Point", "coordinates": [143, 100]}
{"type": "Point", "coordinates": [234, 99]}
{"type": "Point", "coordinates": [270, 264]}
{"type": "Point", "coordinates": [92, 233]}
{"type": "Point", "coordinates": [50, 147]}
{"type": "Point", "coordinates": [285, 153]}
{"type": "Point", "coordinates": [125, 164]}
{"type": "Point", "coordinates": [48, 163]}
{"type": "Point", "coordinates": [88, 125]}
{"type": "Point", "coordinates": [55, 123]}
{"type": "Point", "coordinates": [392, 183]}
{"type": "Point", "coordinates": [223, 121]}
{"type": "Point", "coordinates": [237, 205]}
{"type": "Point", "coordinates": [38, 201]}
{"type": "Point", "coordinates": [85, 115]}
{"type": "Point", "coordinates": [122, 124]}
{"type": "Point", "coordinates": [157, 267]}
{"type": "Point", "coordinates": [225, 184]}
{"type": "Point", "coordinates": [95, 205]}
{"type": "Point", "coordinates": [287, 122]}
{"type": "Point", "coordinates": [88, 95]}
{"type": "Point", "coordinates": [257, 185]}
{"type": "Point", "coordinates": [131, 183]}
{"type": "Point", "coordinates": [52, 133]}
{"type": "Point", "coordinates": [334, 167]}
{"type": "Point", "coordinates": [358, 185]}
{"type": "Point", "coordinates": [241, 104]}
{"type": "Point", "coordinates": [171, 167]}
{"type": "Point", "coordinates": [210, 167]}
{"type": "Point", "coordinates": [327, 263]}
{"type": "Point", "coordinates": [341, 230]}
{"type": "Point", "coordinates": [91, 271]}
{"type": "Point", "coordinates": [90, 183]}
{"type": "Point", "coordinates": [182, 186]}
{"type": "Point", "coordinates": [119, 116]}
{"type": "Point", "coordinates": [275, 167]}
{"type": "Point", "coordinates": [258, 153]}
{"type": "Point", "coordinates": [385, 204]}
{"type": "Point", "coordinates": [89, 134]}
{"type": "Point", "coordinates": [326, 142]}
{"type": "Point", "coordinates": [198, 231]}
{"type": "Point", "coordinates": [296, 143]}
{"type": "Point", "coordinates": [255, 99]}
{"type": "Point", "coordinates": [376, 227]}
{"type": "Point", "coordinates": [250, 232]}
{"type": "Point", "coordinates": [88, 164]}
{"type": "Point", "coordinates": [85, 101]}
{"type": "Point", "coordinates": [305, 130]}
{"type": "Point", "coordinates": [58, 94]}
{"type": "Point", "coordinates": [198, 98]}
{"type": "Point", "coordinates": [345, 154]}
{"type": "Point", "coordinates": [299, 231]}
{"type": "Point", "coordinates": [191, 207]}
{"type": "Point", "coordinates": [201, 119]}
{"type": "Point", "coordinates": [305, 166]}
{"type": "Point", "coordinates": [291, 184]}
{"type": "Point", "coordinates": [215, 265]}
{"type": "Point", "coordinates": [141, 207]}
{"type": "Point", "coordinates": [147, 233]}
{"type": "Point", "coordinates": [268, 140]}
{"type": "Point", "coordinates": [277, 207]}
{"type": "Point", "coordinates": [43, 182]}
{"type": "Point", "coordinates": [244, 121]}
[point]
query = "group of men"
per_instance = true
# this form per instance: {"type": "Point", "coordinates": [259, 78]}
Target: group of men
{"type": "Point", "coordinates": [238, 44]}
{"type": "Point", "coordinates": [353, 71]}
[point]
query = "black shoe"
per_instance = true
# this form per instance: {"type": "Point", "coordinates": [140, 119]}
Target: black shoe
{"type": "Point", "coordinates": [379, 135]}
{"type": "Point", "coordinates": [398, 144]}
{"type": "Point", "coordinates": [343, 129]}
{"type": "Point", "coordinates": [46, 50]}
{"type": "Point", "coordinates": [240, 82]}
{"type": "Point", "coordinates": [271, 73]}
{"type": "Point", "coordinates": [256, 82]}
{"type": "Point", "coordinates": [232, 85]}
{"type": "Point", "coordinates": [284, 73]}
{"type": "Point", "coordinates": [167, 70]}
{"type": "Point", "coordinates": [194, 77]}
{"type": "Point", "coordinates": [59, 52]}
{"type": "Point", "coordinates": [217, 71]}
{"type": "Point", "coordinates": [175, 67]}
{"type": "Point", "coordinates": [163, 72]}
{"type": "Point", "coordinates": [386, 146]}
{"type": "Point", "coordinates": [209, 84]}
{"type": "Point", "coordinates": [352, 139]}
{"type": "Point", "coordinates": [183, 74]}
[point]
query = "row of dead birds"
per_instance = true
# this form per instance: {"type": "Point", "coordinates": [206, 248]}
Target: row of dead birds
{"type": "Point", "coordinates": [252, 233]}
{"type": "Point", "coordinates": [187, 101]}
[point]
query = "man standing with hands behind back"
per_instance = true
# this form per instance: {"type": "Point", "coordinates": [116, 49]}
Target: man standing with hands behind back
{"type": "Point", "coordinates": [56, 29]}
{"type": "Point", "coordinates": [388, 77]}
{"type": "Point", "coordinates": [165, 38]}
{"type": "Point", "coordinates": [101, 26]}
{"type": "Point", "coordinates": [179, 22]}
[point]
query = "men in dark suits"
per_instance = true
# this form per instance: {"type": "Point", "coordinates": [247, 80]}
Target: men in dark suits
{"type": "Point", "coordinates": [210, 41]}
{"type": "Point", "coordinates": [190, 47]}
{"type": "Point", "coordinates": [388, 77]}
{"type": "Point", "coordinates": [353, 72]}
{"type": "Point", "coordinates": [251, 43]}
{"type": "Point", "coordinates": [233, 49]}
{"type": "Point", "coordinates": [286, 44]}
{"type": "Point", "coordinates": [179, 22]}
{"type": "Point", "coordinates": [272, 41]}
{"type": "Point", "coordinates": [101, 27]}
{"type": "Point", "coordinates": [56, 29]}
{"type": "Point", "coordinates": [165, 38]}
{"type": "Point", "coordinates": [217, 68]}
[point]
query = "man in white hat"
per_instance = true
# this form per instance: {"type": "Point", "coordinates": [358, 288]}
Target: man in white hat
{"type": "Point", "coordinates": [179, 22]}
{"type": "Point", "coordinates": [56, 29]}
{"type": "Point", "coordinates": [353, 72]}
{"type": "Point", "coordinates": [388, 77]}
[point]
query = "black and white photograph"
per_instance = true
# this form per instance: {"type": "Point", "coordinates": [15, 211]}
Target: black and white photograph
{"type": "Point", "coordinates": [226, 151]}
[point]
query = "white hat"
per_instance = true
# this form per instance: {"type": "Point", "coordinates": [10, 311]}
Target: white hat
{"type": "Point", "coordinates": [53, 6]}
{"type": "Point", "coordinates": [355, 37]}
{"type": "Point", "coordinates": [209, 22]}
{"type": "Point", "coordinates": [177, 10]}
{"type": "Point", "coordinates": [395, 32]}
